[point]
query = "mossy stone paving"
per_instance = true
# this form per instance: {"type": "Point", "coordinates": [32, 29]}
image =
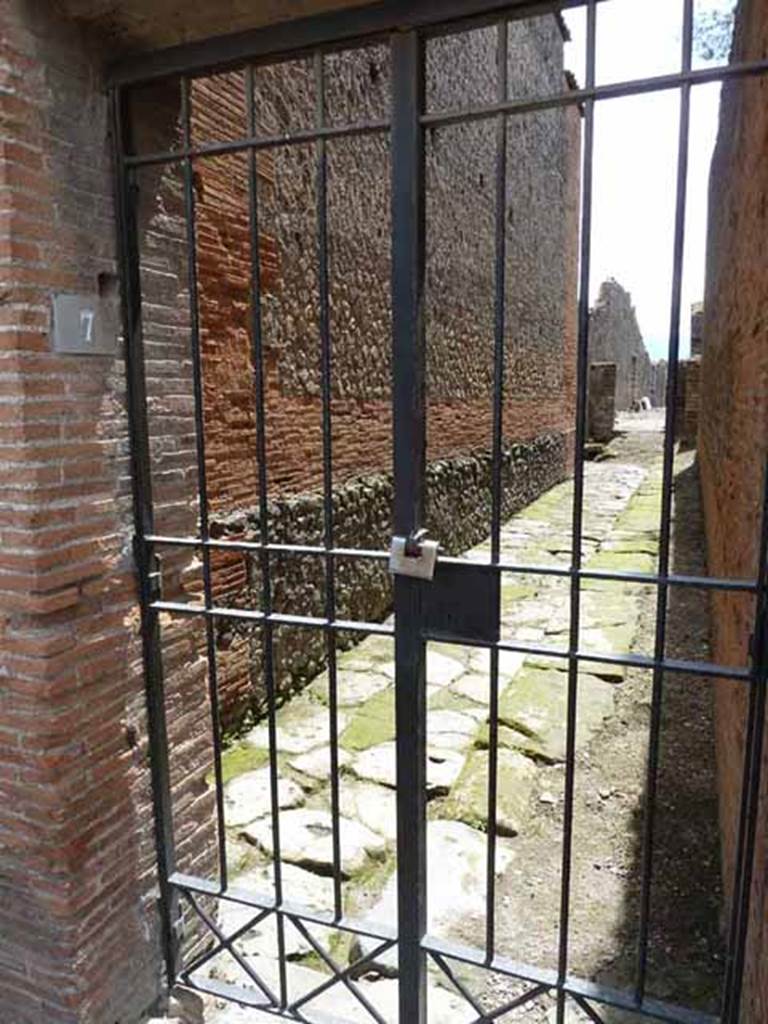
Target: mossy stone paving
{"type": "Point", "coordinates": [621, 534]}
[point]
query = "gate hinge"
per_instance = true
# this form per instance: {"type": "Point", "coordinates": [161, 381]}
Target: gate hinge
{"type": "Point", "coordinates": [177, 927]}
{"type": "Point", "coordinates": [155, 578]}
{"type": "Point", "coordinates": [152, 566]}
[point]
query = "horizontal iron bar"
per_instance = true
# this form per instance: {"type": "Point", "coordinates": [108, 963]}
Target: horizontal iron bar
{"type": "Point", "coordinates": [615, 90]}
{"type": "Point", "coordinates": [223, 990]}
{"type": "Point", "coordinates": [642, 661]}
{"type": "Point", "coordinates": [652, 579]}
{"type": "Point", "coordinates": [295, 37]}
{"type": "Point", "coordinates": [257, 142]}
{"type": "Point", "coordinates": [504, 965]}
{"type": "Point", "coordinates": [697, 582]}
{"type": "Point", "coordinates": [246, 898]}
{"type": "Point", "coordinates": [635, 87]}
{"type": "Point", "coordinates": [274, 618]}
{"type": "Point", "coordinates": [701, 668]}
{"type": "Point", "coordinates": [651, 1008]}
{"type": "Point", "coordinates": [285, 549]}
{"type": "Point", "coordinates": [248, 997]}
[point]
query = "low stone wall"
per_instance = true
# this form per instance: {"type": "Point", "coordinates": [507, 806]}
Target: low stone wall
{"type": "Point", "coordinates": [458, 514]}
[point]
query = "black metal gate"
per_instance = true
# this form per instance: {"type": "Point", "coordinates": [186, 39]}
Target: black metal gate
{"type": "Point", "coordinates": [461, 602]}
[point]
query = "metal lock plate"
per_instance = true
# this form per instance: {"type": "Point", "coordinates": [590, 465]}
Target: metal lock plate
{"type": "Point", "coordinates": [421, 565]}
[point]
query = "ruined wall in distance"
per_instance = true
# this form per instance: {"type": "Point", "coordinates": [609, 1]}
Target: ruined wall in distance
{"type": "Point", "coordinates": [614, 337]}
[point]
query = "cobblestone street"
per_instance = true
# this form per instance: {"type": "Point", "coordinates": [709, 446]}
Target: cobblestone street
{"type": "Point", "coordinates": [622, 496]}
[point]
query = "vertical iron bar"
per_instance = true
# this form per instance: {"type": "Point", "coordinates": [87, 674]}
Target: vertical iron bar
{"type": "Point", "coordinates": [257, 355]}
{"type": "Point", "coordinates": [578, 510]}
{"type": "Point", "coordinates": [141, 474]}
{"type": "Point", "coordinates": [666, 510]}
{"type": "Point", "coordinates": [408, 368]}
{"type": "Point", "coordinates": [750, 787]}
{"type": "Point", "coordinates": [197, 373]}
{"type": "Point", "coordinates": [325, 372]}
{"type": "Point", "coordinates": [496, 476]}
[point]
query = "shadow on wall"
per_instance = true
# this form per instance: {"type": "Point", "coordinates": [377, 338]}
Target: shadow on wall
{"type": "Point", "coordinates": [685, 949]}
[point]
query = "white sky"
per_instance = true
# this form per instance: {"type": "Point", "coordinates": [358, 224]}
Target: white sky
{"type": "Point", "coordinates": [635, 161]}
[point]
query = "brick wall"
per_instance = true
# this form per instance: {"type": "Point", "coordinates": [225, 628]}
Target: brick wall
{"type": "Point", "coordinates": [541, 261]}
{"type": "Point", "coordinates": [541, 306]}
{"type": "Point", "coordinates": [688, 401]}
{"type": "Point", "coordinates": [733, 434]}
{"type": "Point", "coordinates": [78, 936]}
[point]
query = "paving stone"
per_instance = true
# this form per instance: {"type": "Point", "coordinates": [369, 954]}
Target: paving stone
{"type": "Point", "coordinates": [468, 801]}
{"type": "Point", "coordinates": [336, 1002]}
{"type": "Point", "coordinates": [376, 646]}
{"type": "Point", "coordinates": [372, 723]}
{"type": "Point", "coordinates": [619, 561]}
{"type": "Point", "coordinates": [299, 886]}
{"type": "Point", "coordinates": [510, 663]}
{"type": "Point", "coordinates": [512, 591]}
{"type": "Point", "coordinates": [355, 660]}
{"type": "Point", "coordinates": [301, 725]}
{"type": "Point", "coordinates": [248, 796]}
{"type": "Point", "coordinates": [352, 686]}
{"type": "Point", "coordinates": [473, 685]}
{"type": "Point", "coordinates": [317, 763]}
{"type": "Point", "coordinates": [576, 1016]}
{"type": "Point", "coordinates": [534, 709]}
{"type": "Point", "coordinates": [632, 542]}
{"type": "Point", "coordinates": [456, 852]}
{"type": "Point", "coordinates": [306, 840]}
{"type": "Point", "coordinates": [616, 639]}
{"type": "Point", "coordinates": [446, 698]}
{"type": "Point", "coordinates": [373, 805]}
{"type": "Point", "coordinates": [521, 634]}
{"type": "Point", "coordinates": [456, 652]}
{"type": "Point", "coordinates": [441, 669]}
{"type": "Point", "coordinates": [378, 764]}
{"type": "Point", "coordinates": [239, 853]}
{"type": "Point", "coordinates": [452, 730]}
{"type": "Point", "coordinates": [531, 612]}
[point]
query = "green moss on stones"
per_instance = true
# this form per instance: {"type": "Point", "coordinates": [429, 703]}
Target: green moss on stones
{"type": "Point", "coordinates": [372, 723]}
{"type": "Point", "coordinates": [468, 801]}
{"type": "Point", "coordinates": [238, 759]}
{"type": "Point", "coordinates": [533, 709]}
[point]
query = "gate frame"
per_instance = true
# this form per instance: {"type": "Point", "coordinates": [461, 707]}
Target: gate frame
{"type": "Point", "coordinates": [406, 26]}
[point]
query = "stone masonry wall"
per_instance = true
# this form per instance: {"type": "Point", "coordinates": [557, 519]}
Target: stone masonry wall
{"type": "Point", "coordinates": [541, 264]}
{"type": "Point", "coordinates": [658, 393]}
{"type": "Point", "coordinates": [601, 402]}
{"type": "Point", "coordinates": [458, 512]}
{"type": "Point", "coordinates": [733, 437]}
{"type": "Point", "coordinates": [541, 286]}
{"type": "Point", "coordinates": [614, 337]}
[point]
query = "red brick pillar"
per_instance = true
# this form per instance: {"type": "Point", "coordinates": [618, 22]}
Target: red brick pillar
{"type": "Point", "coordinates": [76, 849]}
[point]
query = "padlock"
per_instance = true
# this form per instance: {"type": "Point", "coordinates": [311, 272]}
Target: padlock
{"type": "Point", "coordinates": [420, 564]}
